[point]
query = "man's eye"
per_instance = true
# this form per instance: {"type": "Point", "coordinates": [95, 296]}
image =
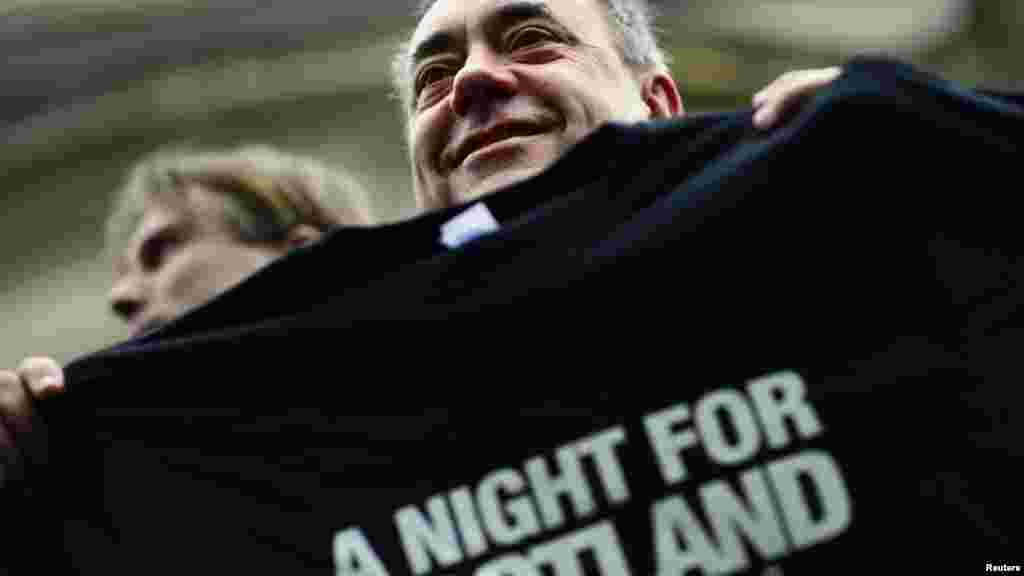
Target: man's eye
{"type": "Point", "coordinates": [431, 75]}
{"type": "Point", "coordinates": [156, 249]}
{"type": "Point", "coordinates": [529, 36]}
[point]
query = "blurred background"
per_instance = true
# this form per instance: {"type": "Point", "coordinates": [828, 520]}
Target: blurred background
{"type": "Point", "coordinates": [88, 86]}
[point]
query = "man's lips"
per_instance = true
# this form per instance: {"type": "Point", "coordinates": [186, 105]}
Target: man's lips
{"type": "Point", "coordinates": [497, 133]}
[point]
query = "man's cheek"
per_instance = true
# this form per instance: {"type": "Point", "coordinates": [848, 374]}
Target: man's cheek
{"type": "Point", "coordinates": [431, 131]}
{"type": "Point", "coordinates": [198, 277]}
{"type": "Point", "coordinates": [185, 286]}
{"type": "Point", "coordinates": [545, 150]}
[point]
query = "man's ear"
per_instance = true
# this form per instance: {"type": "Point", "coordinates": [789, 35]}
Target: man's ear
{"type": "Point", "coordinates": [661, 94]}
{"type": "Point", "coordinates": [301, 235]}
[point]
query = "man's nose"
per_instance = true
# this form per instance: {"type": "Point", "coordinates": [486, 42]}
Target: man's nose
{"type": "Point", "coordinates": [127, 299]}
{"type": "Point", "coordinates": [483, 81]}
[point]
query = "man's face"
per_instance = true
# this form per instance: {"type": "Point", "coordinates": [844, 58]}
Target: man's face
{"type": "Point", "coordinates": [502, 88]}
{"type": "Point", "coordinates": [181, 254]}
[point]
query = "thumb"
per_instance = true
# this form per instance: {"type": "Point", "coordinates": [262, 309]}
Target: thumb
{"type": "Point", "coordinates": [43, 376]}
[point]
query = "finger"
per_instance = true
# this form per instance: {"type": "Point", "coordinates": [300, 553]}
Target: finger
{"type": "Point", "coordinates": [796, 83]}
{"type": "Point", "coordinates": [43, 376]}
{"type": "Point", "coordinates": [15, 427]}
{"type": "Point", "coordinates": [777, 87]}
{"type": "Point", "coordinates": [797, 86]}
{"type": "Point", "coordinates": [826, 75]}
{"type": "Point", "coordinates": [781, 97]}
{"type": "Point", "coordinates": [15, 406]}
{"type": "Point", "coordinates": [18, 407]}
{"type": "Point", "coordinates": [766, 116]}
{"type": "Point", "coordinates": [7, 380]}
{"type": "Point", "coordinates": [761, 96]}
{"type": "Point", "coordinates": [769, 103]}
{"type": "Point", "coordinates": [810, 81]}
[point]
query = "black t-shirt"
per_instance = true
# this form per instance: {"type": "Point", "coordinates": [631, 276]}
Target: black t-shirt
{"type": "Point", "coordinates": [689, 348]}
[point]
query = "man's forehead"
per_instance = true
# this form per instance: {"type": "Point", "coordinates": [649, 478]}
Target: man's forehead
{"type": "Point", "coordinates": [454, 17]}
{"type": "Point", "coordinates": [157, 213]}
{"type": "Point", "coordinates": [187, 206]}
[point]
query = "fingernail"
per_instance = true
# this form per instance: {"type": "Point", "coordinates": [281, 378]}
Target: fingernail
{"type": "Point", "coordinates": [50, 383]}
{"type": "Point", "coordinates": [758, 97]}
{"type": "Point", "coordinates": [762, 118]}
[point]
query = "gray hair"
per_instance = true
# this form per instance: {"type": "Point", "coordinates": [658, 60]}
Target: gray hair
{"type": "Point", "coordinates": [267, 192]}
{"type": "Point", "coordinates": [632, 21]}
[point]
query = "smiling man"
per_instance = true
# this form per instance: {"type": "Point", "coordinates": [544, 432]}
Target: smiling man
{"type": "Point", "coordinates": [493, 92]}
{"type": "Point", "coordinates": [496, 90]}
{"type": "Point", "coordinates": [750, 344]}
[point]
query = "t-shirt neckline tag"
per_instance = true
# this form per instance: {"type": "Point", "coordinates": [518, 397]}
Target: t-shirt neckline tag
{"type": "Point", "coordinates": [468, 225]}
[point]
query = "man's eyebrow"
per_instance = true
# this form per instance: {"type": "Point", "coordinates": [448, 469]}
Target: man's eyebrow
{"type": "Point", "coordinates": [503, 17]}
{"type": "Point", "coordinates": [514, 12]}
{"type": "Point", "coordinates": [519, 11]}
{"type": "Point", "coordinates": [436, 43]}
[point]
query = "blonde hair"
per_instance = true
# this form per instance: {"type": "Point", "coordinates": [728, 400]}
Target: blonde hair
{"type": "Point", "coordinates": [267, 192]}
